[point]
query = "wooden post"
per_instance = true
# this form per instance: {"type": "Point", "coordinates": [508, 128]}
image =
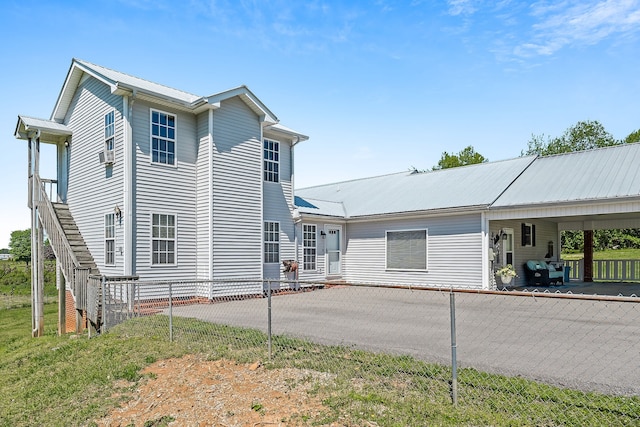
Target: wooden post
{"type": "Point", "coordinates": [62, 300]}
{"type": "Point", "coordinates": [588, 255]}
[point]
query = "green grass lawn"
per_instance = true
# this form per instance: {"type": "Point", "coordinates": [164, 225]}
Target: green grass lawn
{"type": "Point", "coordinates": [70, 380]}
{"type": "Point", "coordinates": [608, 254]}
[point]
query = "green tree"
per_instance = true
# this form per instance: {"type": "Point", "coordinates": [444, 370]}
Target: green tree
{"type": "Point", "coordinates": [584, 135]}
{"type": "Point", "coordinates": [20, 245]}
{"type": "Point", "coordinates": [632, 137]}
{"type": "Point", "coordinates": [467, 156]}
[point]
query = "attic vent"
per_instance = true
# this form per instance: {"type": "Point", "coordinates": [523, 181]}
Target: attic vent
{"type": "Point", "coordinates": [107, 157]}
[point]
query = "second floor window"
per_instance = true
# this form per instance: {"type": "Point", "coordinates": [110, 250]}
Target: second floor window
{"type": "Point", "coordinates": [271, 160]}
{"type": "Point", "coordinates": [109, 131]}
{"type": "Point", "coordinates": [163, 138]}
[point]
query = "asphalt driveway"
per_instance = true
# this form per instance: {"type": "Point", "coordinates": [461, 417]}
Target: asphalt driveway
{"type": "Point", "coordinates": [587, 345]}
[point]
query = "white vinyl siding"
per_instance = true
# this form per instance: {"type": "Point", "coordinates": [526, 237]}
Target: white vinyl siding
{"type": "Point", "coordinates": [163, 242]}
{"type": "Point", "coordinates": [407, 250]}
{"type": "Point", "coordinates": [91, 102]}
{"type": "Point", "coordinates": [236, 191]}
{"type": "Point", "coordinates": [271, 242]}
{"type": "Point", "coordinates": [453, 240]}
{"type": "Point", "coordinates": [309, 247]}
{"type": "Point", "coordinates": [163, 137]}
{"type": "Point", "coordinates": [109, 239]}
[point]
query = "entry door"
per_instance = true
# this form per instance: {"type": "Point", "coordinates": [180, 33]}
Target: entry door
{"type": "Point", "coordinates": [334, 254]}
{"type": "Point", "coordinates": [507, 247]}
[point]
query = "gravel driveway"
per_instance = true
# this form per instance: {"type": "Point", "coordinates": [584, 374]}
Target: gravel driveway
{"type": "Point", "coordinates": [588, 345]}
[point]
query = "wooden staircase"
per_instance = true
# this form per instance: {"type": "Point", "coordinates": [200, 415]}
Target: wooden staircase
{"type": "Point", "coordinates": [76, 242]}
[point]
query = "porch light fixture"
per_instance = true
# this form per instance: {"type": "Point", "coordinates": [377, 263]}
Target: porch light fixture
{"type": "Point", "coordinates": [323, 234]}
{"type": "Point", "coordinates": [117, 212]}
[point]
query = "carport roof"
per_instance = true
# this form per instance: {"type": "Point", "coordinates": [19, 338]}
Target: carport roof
{"type": "Point", "coordinates": [604, 174]}
{"type": "Point", "coordinates": [610, 173]}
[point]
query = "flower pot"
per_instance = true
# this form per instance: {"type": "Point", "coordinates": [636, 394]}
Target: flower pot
{"type": "Point", "coordinates": [506, 279]}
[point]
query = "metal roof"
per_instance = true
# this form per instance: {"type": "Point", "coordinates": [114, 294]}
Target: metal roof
{"type": "Point", "coordinates": [601, 174]}
{"type": "Point", "coordinates": [48, 130]}
{"type": "Point", "coordinates": [468, 187]}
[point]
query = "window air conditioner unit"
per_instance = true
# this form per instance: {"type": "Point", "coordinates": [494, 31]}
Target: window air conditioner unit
{"type": "Point", "coordinates": [107, 157]}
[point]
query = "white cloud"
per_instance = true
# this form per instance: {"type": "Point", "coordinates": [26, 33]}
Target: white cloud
{"type": "Point", "coordinates": [579, 23]}
{"type": "Point", "coordinates": [461, 7]}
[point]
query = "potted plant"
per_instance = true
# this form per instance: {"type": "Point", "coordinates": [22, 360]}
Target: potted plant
{"type": "Point", "coordinates": [506, 273]}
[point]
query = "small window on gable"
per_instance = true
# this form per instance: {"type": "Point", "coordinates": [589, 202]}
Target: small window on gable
{"type": "Point", "coordinates": [271, 160]}
{"type": "Point", "coordinates": [163, 138]}
{"type": "Point", "coordinates": [407, 250]}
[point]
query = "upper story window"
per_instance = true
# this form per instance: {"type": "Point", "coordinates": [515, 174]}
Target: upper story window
{"type": "Point", "coordinates": [109, 239]}
{"type": "Point", "coordinates": [109, 131]}
{"type": "Point", "coordinates": [271, 160]}
{"type": "Point", "coordinates": [163, 138]}
{"type": "Point", "coordinates": [163, 239]}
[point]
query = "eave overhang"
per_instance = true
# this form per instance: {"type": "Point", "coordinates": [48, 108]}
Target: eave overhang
{"type": "Point", "coordinates": [46, 130]}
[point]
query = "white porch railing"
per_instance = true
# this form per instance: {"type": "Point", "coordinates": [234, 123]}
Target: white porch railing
{"type": "Point", "coordinates": [618, 270]}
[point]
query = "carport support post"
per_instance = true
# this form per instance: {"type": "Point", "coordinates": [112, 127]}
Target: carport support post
{"type": "Point", "coordinates": [588, 255]}
{"type": "Point", "coordinates": [454, 363]}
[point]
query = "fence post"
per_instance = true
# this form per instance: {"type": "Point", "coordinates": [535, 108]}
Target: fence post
{"type": "Point", "coordinates": [103, 300]}
{"type": "Point", "coordinates": [269, 317]}
{"type": "Point", "coordinates": [170, 313]}
{"type": "Point", "coordinates": [454, 361]}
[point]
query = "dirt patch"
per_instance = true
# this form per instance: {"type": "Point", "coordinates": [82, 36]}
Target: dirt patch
{"type": "Point", "coordinates": [192, 391]}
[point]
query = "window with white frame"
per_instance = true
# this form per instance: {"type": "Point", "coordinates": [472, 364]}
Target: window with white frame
{"type": "Point", "coordinates": [271, 242]}
{"type": "Point", "coordinates": [163, 138]}
{"type": "Point", "coordinates": [528, 234]}
{"type": "Point", "coordinates": [109, 131]}
{"type": "Point", "coordinates": [309, 245]}
{"type": "Point", "coordinates": [407, 250]}
{"type": "Point", "coordinates": [271, 160]}
{"type": "Point", "coordinates": [109, 239]}
{"type": "Point", "coordinates": [163, 235]}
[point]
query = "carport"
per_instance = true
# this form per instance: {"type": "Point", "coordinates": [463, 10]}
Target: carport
{"type": "Point", "coordinates": [586, 191]}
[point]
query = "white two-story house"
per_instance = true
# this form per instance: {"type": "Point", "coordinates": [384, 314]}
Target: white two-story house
{"type": "Point", "coordinates": [161, 184]}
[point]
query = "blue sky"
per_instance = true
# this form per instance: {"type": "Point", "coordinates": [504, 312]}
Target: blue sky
{"type": "Point", "coordinates": [379, 86]}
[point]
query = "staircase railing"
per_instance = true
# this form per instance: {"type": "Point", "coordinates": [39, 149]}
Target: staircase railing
{"type": "Point", "coordinates": [75, 275]}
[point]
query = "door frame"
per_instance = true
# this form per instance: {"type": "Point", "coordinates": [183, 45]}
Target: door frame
{"type": "Point", "coordinates": [327, 230]}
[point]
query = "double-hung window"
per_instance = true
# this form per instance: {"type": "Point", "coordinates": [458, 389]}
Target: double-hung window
{"type": "Point", "coordinates": [309, 245]}
{"type": "Point", "coordinates": [271, 242]}
{"type": "Point", "coordinates": [109, 239]}
{"type": "Point", "coordinates": [163, 236]}
{"type": "Point", "coordinates": [271, 160]}
{"type": "Point", "coordinates": [407, 250]}
{"type": "Point", "coordinates": [163, 138]}
{"type": "Point", "coordinates": [109, 131]}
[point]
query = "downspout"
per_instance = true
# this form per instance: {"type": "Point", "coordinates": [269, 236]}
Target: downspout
{"type": "Point", "coordinates": [296, 215]}
{"type": "Point", "coordinates": [127, 109]}
{"type": "Point", "coordinates": [210, 195]}
{"type": "Point", "coordinates": [486, 267]}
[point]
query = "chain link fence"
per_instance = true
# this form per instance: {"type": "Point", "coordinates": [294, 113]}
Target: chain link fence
{"type": "Point", "coordinates": [393, 352]}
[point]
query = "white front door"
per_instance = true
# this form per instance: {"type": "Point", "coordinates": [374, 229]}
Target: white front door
{"type": "Point", "coordinates": [333, 249]}
{"type": "Point", "coordinates": [508, 246]}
